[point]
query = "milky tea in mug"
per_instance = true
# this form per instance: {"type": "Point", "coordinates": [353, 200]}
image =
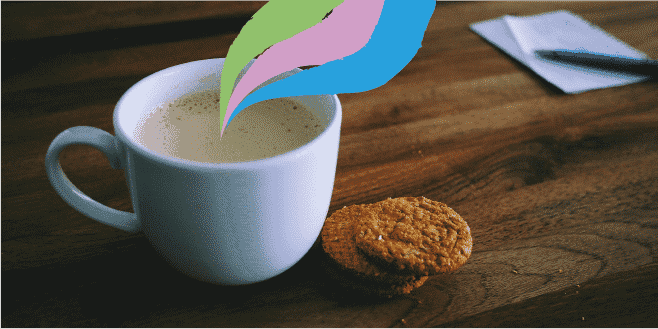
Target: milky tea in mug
{"type": "Point", "coordinates": [247, 207]}
{"type": "Point", "coordinates": [189, 128]}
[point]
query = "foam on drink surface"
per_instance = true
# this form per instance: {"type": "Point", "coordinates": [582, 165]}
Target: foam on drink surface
{"type": "Point", "coordinates": [189, 128]}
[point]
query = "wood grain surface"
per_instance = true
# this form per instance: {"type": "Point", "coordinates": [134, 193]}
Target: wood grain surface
{"type": "Point", "coordinates": [560, 191]}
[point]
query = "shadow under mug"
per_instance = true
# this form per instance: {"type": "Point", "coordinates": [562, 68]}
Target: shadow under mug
{"type": "Point", "coordinates": [223, 223]}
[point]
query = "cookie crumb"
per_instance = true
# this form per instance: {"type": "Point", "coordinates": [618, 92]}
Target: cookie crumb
{"type": "Point", "coordinates": [583, 318]}
{"type": "Point", "coordinates": [515, 272]}
{"type": "Point", "coordinates": [405, 321]}
{"type": "Point", "coordinates": [559, 271]}
{"type": "Point", "coordinates": [578, 285]}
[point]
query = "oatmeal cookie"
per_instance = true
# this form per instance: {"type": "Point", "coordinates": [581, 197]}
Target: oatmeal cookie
{"type": "Point", "coordinates": [351, 267]}
{"type": "Point", "coordinates": [414, 235]}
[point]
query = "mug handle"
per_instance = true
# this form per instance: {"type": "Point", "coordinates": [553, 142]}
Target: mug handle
{"type": "Point", "coordinates": [109, 145]}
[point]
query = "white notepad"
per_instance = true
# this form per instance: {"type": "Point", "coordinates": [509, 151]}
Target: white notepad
{"type": "Point", "coordinates": [519, 37]}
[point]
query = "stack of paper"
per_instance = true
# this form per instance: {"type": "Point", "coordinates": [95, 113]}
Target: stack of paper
{"type": "Point", "coordinates": [521, 36]}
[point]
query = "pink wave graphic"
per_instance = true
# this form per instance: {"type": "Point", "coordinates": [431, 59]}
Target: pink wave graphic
{"type": "Point", "coordinates": [343, 33]}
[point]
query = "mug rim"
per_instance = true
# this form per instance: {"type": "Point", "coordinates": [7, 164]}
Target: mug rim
{"type": "Point", "coordinates": [120, 132]}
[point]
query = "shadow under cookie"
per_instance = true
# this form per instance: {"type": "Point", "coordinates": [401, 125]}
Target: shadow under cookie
{"type": "Point", "coordinates": [382, 285]}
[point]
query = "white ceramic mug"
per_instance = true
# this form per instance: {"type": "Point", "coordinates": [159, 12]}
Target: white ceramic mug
{"type": "Point", "coordinates": [224, 223]}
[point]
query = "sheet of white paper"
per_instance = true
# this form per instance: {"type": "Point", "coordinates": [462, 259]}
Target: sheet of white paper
{"type": "Point", "coordinates": [519, 37]}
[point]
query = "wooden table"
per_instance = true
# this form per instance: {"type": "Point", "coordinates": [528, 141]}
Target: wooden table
{"type": "Point", "coordinates": [560, 191]}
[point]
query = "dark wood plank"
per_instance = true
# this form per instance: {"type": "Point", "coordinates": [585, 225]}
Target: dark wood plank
{"type": "Point", "coordinates": [34, 20]}
{"type": "Point", "coordinates": [631, 297]}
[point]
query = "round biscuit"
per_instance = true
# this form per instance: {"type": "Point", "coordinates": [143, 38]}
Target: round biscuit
{"type": "Point", "coordinates": [356, 271]}
{"type": "Point", "coordinates": [416, 235]}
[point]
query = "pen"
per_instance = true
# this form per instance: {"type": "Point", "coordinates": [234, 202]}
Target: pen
{"type": "Point", "coordinates": [611, 63]}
